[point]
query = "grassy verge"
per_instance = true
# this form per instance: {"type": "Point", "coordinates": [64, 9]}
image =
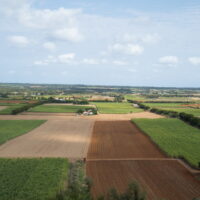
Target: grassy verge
{"type": "Point", "coordinates": [174, 137]}
{"type": "Point", "coordinates": [116, 108]}
{"type": "Point", "coordinates": [32, 179]}
{"type": "Point", "coordinates": [12, 128]}
{"type": "Point", "coordinates": [58, 108]}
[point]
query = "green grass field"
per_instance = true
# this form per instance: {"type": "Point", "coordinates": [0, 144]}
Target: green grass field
{"type": "Point", "coordinates": [32, 179]}
{"type": "Point", "coordinates": [8, 110]}
{"type": "Point", "coordinates": [116, 108]}
{"type": "Point", "coordinates": [58, 108]}
{"type": "Point", "coordinates": [175, 137]}
{"type": "Point", "coordinates": [178, 107]}
{"type": "Point", "coordinates": [12, 128]}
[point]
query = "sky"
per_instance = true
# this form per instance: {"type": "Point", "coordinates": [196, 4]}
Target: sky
{"type": "Point", "coordinates": [101, 42]}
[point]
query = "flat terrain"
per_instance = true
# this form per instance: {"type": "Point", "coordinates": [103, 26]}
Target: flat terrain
{"type": "Point", "coordinates": [55, 138]}
{"type": "Point", "coordinates": [116, 108]}
{"type": "Point", "coordinates": [8, 107]}
{"type": "Point", "coordinates": [32, 179]}
{"type": "Point", "coordinates": [173, 136]}
{"type": "Point", "coordinates": [12, 128]}
{"type": "Point", "coordinates": [3, 107]}
{"type": "Point", "coordinates": [120, 139]}
{"type": "Point", "coordinates": [162, 179]}
{"type": "Point", "coordinates": [58, 108]}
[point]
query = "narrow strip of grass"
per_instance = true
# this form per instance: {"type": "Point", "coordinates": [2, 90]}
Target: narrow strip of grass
{"type": "Point", "coordinates": [10, 129]}
{"type": "Point", "coordinates": [173, 136]}
{"type": "Point", "coordinates": [32, 179]}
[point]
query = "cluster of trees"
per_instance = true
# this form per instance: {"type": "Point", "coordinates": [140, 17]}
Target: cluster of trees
{"type": "Point", "coordinates": [26, 107]}
{"type": "Point", "coordinates": [80, 101]}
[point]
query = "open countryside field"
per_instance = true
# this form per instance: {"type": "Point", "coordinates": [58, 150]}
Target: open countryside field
{"type": "Point", "coordinates": [178, 107]}
{"type": "Point", "coordinates": [173, 136]}
{"type": "Point", "coordinates": [161, 179]}
{"type": "Point", "coordinates": [31, 179]}
{"type": "Point", "coordinates": [10, 129]}
{"type": "Point", "coordinates": [8, 107]}
{"type": "Point", "coordinates": [64, 137]}
{"type": "Point", "coordinates": [120, 139]}
{"type": "Point", "coordinates": [58, 108]}
{"type": "Point", "coordinates": [116, 108]}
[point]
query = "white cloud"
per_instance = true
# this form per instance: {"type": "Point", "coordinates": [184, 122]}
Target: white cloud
{"type": "Point", "coordinates": [129, 49]}
{"type": "Point", "coordinates": [146, 39]}
{"type": "Point", "coordinates": [19, 40]}
{"type": "Point", "coordinates": [69, 34]}
{"type": "Point", "coordinates": [49, 46]}
{"type": "Point", "coordinates": [169, 60]}
{"type": "Point", "coordinates": [66, 58]}
{"type": "Point", "coordinates": [90, 61]}
{"type": "Point", "coordinates": [194, 60]}
{"type": "Point", "coordinates": [119, 62]}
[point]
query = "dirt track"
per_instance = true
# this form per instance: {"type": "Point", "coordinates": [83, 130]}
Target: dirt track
{"type": "Point", "coordinates": [55, 138]}
{"type": "Point", "coordinates": [120, 139]}
{"type": "Point", "coordinates": [164, 179]}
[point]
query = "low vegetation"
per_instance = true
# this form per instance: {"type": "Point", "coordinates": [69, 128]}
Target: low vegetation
{"type": "Point", "coordinates": [116, 108]}
{"type": "Point", "coordinates": [10, 108]}
{"type": "Point", "coordinates": [174, 137]}
{"type": "Point", "coordinates": [32, 179]}
{"type": "Point", "coordinates": [59, 108]}
{"type": "Point", "coordinates": [12, 128]}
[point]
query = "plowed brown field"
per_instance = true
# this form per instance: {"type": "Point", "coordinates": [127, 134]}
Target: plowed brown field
{"type": "Point", "coordinates": [55, 138]}
{"type": "Point", "coordinates": [161, 179]}
{"type": "Point", "coordinates": [3, 107]}
{"type": "Point", "coordinates": [120, 139]}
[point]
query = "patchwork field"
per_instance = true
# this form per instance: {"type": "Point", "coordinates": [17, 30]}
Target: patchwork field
{"type": "Point", "coordinates": [162, 179]}
{"type": "Point", "coordinates": [178, 107]}
{"type": "Point", "coordinates": [58, 108]}
{"type": "Point", "coordinates": [174, 136]}
{"type": "Point", "coordinates": [120, 139]}
{"type": "Point", "coordinates": [12, 128]}
{"type": "Point", "coordinates": [55, 138]}
{"type": "Point", "coordinates": [31, 179]}
{"type": "Point", "coordinates": [116, 108]}
{"type": "Point", "coordinates": [6, 108]}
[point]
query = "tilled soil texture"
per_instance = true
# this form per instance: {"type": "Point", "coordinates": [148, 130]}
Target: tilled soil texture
{"type": "Point", "coordinates": [161, 179]}
{"type": "Point", "coordinates": [120, 139]}
{"type": "Point", "coordinates": [3, 107]}
{"type": "Point", "coordinates": [55, 138]}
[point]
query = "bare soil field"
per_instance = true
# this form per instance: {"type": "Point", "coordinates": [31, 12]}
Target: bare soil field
{"type": "Point", "coordinates": [161, 179]}
{"type": "Point", "coordinates": [120, 139]}
{"type": "Point", "coordinates": [55, 138]}
{"type": "Point", "coordinates": [3, 107]}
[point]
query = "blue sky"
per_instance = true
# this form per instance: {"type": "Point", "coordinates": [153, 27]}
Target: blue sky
{"type": "Point", "coordinates": [137, 43]}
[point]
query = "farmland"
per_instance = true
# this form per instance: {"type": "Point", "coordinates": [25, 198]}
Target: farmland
{"type": "Point", "coordinates": [10, 129]}
{"type": "Point", "coordinates": [178, 107]}
{"type": "Point", "coordinates": [175, 137]}
{"type": "Point", "coordinates": [58, 108]}
{"type": "Point", "coordinates": [116, 108]}
{"type": "Point", "coordinates": [161, 179]}
{"type": "Point", "coordinates": [28, 179]}
{"type": "Point", "coordinates": [61, 137]}
{"type": "Point", "coordinates": [9, 107]}
{"type": "Point", "coordinates": [120, 139]}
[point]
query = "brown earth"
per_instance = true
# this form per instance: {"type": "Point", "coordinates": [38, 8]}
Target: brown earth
{"type": "Point", "coordinates": [55, 138]}
{"type": "Point", "coordinates": [3, 107]}
{"type": "Point", "coordinates": [161, 179]}
{"type": "Point", "coordinates": [120, 139]}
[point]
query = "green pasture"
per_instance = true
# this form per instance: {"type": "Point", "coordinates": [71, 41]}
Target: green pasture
{"type": "Point", "coordinates": [10, 108]}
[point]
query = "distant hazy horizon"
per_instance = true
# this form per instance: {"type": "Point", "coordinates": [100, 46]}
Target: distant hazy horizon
{"type": "Point", "coordinates": [150, 43]}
